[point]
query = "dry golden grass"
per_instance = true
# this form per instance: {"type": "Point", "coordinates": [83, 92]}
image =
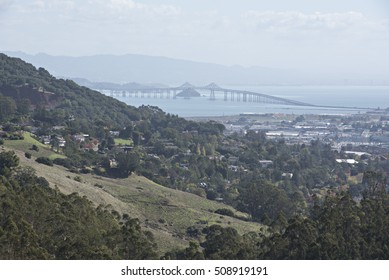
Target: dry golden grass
{"type": "Point", "coordinates": [167, 213]}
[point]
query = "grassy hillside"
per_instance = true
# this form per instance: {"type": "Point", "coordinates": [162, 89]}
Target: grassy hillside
{"type": "Point", "coordinates": [26, 144]}
{"type": "Point", "coordinates": [167, 213]}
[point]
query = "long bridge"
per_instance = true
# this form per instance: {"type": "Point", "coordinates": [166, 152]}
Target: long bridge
{"type": "Point", "coordinates": [212, 89]}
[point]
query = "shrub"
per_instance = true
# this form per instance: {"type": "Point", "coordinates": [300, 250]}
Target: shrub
{"type": "Point", "coordinates": [100, 170]}
{"type": "Point", "coordinates": [43, 182]}
{"type": "Point", "coordinates": [211, 194]}
{"type": "Point", "coordinates": [35, 148]}
{"type": "Point", "coordinates": [85, 170]}
{"type": "Point", "coordinates": [225, 212]}
{"type": "Point", "coordinates": [65, 162]}
{"type": "Point", "coordinates": [27, 155]}
{"type": "Point", "coordinates": [44, 160]}
{"type": "Point", "coordinates": [16, 137]}
{"type": "Point", "coordinates": [192, 231]}
{"type": "Point", "coordinates": [77, 178]}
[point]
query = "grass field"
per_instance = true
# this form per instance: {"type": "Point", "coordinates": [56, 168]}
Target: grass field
{"type": "Point", "coordinates": [120, 141]}
{"type": "Point", "coordinates": [26, 144]}
{"type": "Point", "coordinates": [166, 212]}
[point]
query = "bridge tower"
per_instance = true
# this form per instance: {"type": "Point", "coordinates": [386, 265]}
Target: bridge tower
{"type": "Point", "coordinates": [213, 87]}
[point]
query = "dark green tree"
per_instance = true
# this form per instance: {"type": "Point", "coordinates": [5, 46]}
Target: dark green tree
{"type": "Point", "coordinates": [8, 160]}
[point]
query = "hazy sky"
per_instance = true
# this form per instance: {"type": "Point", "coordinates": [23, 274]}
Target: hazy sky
{"type": "Point", "coordinates": [344, 35]}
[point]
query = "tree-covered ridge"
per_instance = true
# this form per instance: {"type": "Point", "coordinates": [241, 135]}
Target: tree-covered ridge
{"type": "Point", "coordinates": [81, 110]}
{"type": "Point", "coordinates": [88, 110]}
{"type": "Point", "coordinates": [338, 228]}
{"type": "Point", "coordinates": [69, 99]}
{"type": "Point", "coordinates": [39, 222]}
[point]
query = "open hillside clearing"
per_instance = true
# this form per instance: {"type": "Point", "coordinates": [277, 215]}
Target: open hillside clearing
{"type": "Point", "coordinates": [166, 212]}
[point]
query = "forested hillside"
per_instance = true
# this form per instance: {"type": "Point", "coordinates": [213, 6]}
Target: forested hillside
{"type": "Point", "coordinates": [24, 83]}
{"type": "Point", "coordinates": [38, 222]}
{"type": "Point", "coordinates": [336, 228]}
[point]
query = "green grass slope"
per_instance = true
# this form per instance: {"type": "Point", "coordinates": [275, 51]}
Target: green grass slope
{"type": "Point", "coordinates": [167, 213]}
{"type": "Point", "coordinates": [26, 144]}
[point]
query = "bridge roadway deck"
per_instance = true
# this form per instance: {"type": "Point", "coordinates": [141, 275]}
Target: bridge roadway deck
{"type": "Point", "coordinates": [228, 94]}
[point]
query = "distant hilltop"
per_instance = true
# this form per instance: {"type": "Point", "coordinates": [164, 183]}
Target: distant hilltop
{"type": "Point", "coordinates": [189, 92]}
{"type": "Point", "coordinates": [143, 69]}
{"type": "Point", "coordinates": [116, 86]}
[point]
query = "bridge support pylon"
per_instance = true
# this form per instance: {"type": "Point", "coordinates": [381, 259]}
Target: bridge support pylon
{"type": "Point", "coordinates": [212, 96]}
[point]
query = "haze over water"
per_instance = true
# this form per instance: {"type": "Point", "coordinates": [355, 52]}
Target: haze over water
{"type": "Point", "coordinates": [342, 96]}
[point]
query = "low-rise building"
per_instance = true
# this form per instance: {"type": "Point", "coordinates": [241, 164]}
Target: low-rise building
{"type": "Point", "coordinates": [266, 163]}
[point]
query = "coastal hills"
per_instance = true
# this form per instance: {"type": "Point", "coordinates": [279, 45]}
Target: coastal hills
{"type": "Point", "coordinates": [84, 176]}
{"type": "Point", "coordinates": [122, 69]}
{"type": "Point", "coordinates": [62, 108]}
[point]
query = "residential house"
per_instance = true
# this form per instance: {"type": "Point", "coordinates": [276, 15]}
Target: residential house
{"type": "Point", "coordinates": [114, 133]}
{"type": "Point", "coordinates": [80, 137]}
{"type": "Point", "coordinates": [266, 163]}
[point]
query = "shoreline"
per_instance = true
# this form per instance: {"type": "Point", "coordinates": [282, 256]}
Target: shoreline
{"type": "Point", "coordinates": [279, 116]}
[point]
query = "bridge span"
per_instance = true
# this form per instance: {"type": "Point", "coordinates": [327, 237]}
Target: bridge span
{"type": "Point", "coordinates": [213, 90]}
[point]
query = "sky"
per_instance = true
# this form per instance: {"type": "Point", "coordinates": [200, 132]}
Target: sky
{"type": "Point", "coordinates": [312, 35]}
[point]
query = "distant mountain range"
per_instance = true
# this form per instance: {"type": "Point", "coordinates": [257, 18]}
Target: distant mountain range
{"type": "Point", "coordinates": [130, 68]}
{"type": "Point", "coordinates": [116, 86]}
